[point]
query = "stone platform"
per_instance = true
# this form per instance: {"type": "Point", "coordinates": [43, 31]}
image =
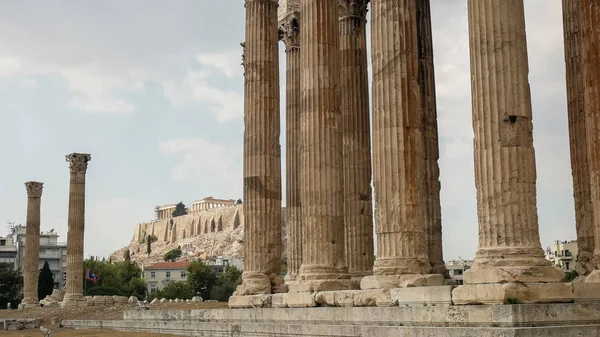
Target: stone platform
{"type": "Point", "coordinates": [523, 320]}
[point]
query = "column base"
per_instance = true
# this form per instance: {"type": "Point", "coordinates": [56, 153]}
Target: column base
{"type": "Point", "coordinates": [513, 293]}
{"type": "Point", "coordinates": [29, 303]}
{"type": "Point", "coordinates": [313, 286]}
{"type": "Point", "coordinates": [290, 278]}
{"type": "Point", "coordinates": [359, 274]}
{"type": "Point", "coordinates": [400, 266]}
{"type": "Point", "coordinates": [482, 274]}
{"type": "Point", "coordinates": [401, 281]}
{"type": "Point", "coordinates": [74, 300]}
{"type": "Point", "coordinates": [254, 283]}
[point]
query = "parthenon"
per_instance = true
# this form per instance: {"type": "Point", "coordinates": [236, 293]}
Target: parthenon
{"type": "Point", "coordinates": [332, 148]}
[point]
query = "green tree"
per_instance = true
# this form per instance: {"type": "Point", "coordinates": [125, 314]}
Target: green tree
{"type": "Point", "coordinates": [173, 254]}
{"type": "Point", "coordinates": [174, 290]}
{"type": "Point", "coordinates": [201, 278]}
{"type": "Point", "coordinates": [120, 278]}
{"type": "Point", "coordinates": [11, 282]}
{"type": "Point", "coordinates": [226, 284]}
{"type": "Point", "coordinates": [45, 282]}
{"type": "Point", "coordinates": [179, 210]}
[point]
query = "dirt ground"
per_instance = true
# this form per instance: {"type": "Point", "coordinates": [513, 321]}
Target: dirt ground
{"type": "Point", "coordinates": [90, 313]}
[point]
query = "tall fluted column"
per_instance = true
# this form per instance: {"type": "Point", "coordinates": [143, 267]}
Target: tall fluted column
{"type": "Point", "coordinates": [290, 33]}
{"type": "Point", "coordinates": [509, 245]}
{"type": "Point", "coordinates": [398, 147]}
{"type": "Point", "coordinates": [262, 153]}
{"type": "Point", "coordinates": [322, 179]}
{"type": "Point", "coordinates": [356, 135]}
{"type": "Point", "coordinates": [32, 245]}
{"type": "Point", "coordinates": [433, 220]}
{"type": "Point", "coordinates": [577, 137]}
{"type": "Point", "coordinates": [590, 21]}
{"type": "Point", "coordinates": [76, 222]}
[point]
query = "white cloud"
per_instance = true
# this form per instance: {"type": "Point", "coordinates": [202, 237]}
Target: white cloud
{"type": "Point", "coordinates": [198, 87]}
{"type": "Point", "coordinates": [9, 66]}
{"type": "Point", "coordinates": [206, 162]}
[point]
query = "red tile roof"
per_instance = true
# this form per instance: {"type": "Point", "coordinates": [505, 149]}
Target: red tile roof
{"type": "Point", "coordinates": [169, 265]}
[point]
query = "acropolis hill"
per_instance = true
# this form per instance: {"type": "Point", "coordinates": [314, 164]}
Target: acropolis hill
{"type": "Point", "coordinates": [212, 227]}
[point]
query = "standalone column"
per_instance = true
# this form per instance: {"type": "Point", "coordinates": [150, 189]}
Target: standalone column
{"type": "Point", "coordinates": [323, 261]}
{"type": "Point", "coordinates": [430, 132]}
{"type": "Point", "coordinates": [290, 32]}
{"type": "Point", "coordinates": [32, 245]}
{"type": "Point", "coordinates": [590, 21]}
{"type": "Point", "coordinates": [262, 158]}
{"type": "Point", "coordinates": [356, 133]}
{"type": "Point", "coordinates": [398, 149]}
{"type": "Point", "coordinates": [577, 137]}
{"type": "Point", "coordinates": [78, 164]}
{"type": "Point", "coordinates": [509, 251]}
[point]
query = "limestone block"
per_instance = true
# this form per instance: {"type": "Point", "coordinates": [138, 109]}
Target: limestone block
{"type": "Point", "coordinates": [593, 277]}
{"type": "Point", "coordinates": [163, 300]}
{"type": "Point", "coordinates": [197, 299]}
{"type": "Point", "coordinates": [524, 293]}
{"type": "Point", "coordinates": [586, 292]}
{"type": "Point", "coordinates": [401, 281]}
{"type": "Point", "coordinates": [108, 300]}
{"type": "Point", "coordinates": [99, 300]}
{"type": "Point", "coordinates": [58, 295]}
{"type": "Point", "coordinates": [372, 297]}
{"type": "Point", "coordinates": [154, 301]}
{"type": "Point", "coordinates": [89, 301]}
{"type": "Point", "coordinates": [251, 301]}
{"type": "Point", "coordinates": [421, 295]}
{"type": "Point", "coordinates": [299, 300]}
{"type": "Point", "coordinates": [120, 299]}
{"type": "Point", "coordinates": [508, 274]}
{"type": "Point", "coordinates": [177, 300]}
{"type": "Point", "coordinates": [132, 300]}
{"type": "Point", "coordinates": [278, 301]}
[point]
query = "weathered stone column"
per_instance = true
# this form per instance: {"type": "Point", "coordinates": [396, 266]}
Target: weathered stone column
{"type": "Point", "coordinates": [262, 154]}
{"type": "Point", "coordinates": [356, 135]}
{"type": "Point", "coordinates": [290, 33]}
{"type": "Point", "coordinates": [78, 164]}
{"type": "Point", "coordinates": [510, 262]}
{"type": "Point", "coordinates": [323, 261]}
{"type": "Point", "coordinates": [433, 220]}
{"type": "Point", "coordinates": [584, 216]}
{"type": "Point", "coordinates": [32, 245]}
{"type": "Point", "coordinates": [590, 21]}
{"type": "Point", "coordinates": [398, 149]}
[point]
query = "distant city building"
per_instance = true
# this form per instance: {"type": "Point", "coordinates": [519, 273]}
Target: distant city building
{"type": "Point", "coordinates": [12, 251]}
{"type": "Point", "coordinates": [563, 254]}
{"type": "Point", "coordinates": [456, 269]}
{"type": "Point", "coordinates": [159, 275]}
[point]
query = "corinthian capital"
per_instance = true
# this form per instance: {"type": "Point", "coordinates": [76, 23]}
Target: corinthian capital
{"type": "Point", "coordinates": [289, 32]}
{"type": "Point", "coordinates": [78, 161]}
{"type": "Point", "coordinates": [353, 8]}
{"type": "Point", "coordinates": [34, 189]}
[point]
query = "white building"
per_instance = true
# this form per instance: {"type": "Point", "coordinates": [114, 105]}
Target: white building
{"type": "Point", "coordinates": [456, 269]}
{"type": "Point", "coordinates": [51, 251]}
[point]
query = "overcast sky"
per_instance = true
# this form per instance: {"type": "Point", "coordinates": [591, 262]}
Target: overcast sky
{"type": "Point", "coordinates": [154, 91]}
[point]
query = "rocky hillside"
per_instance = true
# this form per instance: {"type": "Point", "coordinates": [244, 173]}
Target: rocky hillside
{"type": "Point", "coordinates": [208, 233]}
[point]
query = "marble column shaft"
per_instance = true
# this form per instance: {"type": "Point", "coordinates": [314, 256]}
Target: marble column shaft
{"type": "Point", "coordinates": [32, 244]}
{"type": "Point", "coordinates": [505, 173]}
{"type": "Point", "coordinates": [76, 225]}
{"type": "Point", "coordinates": [262, 153]}
{"type": "Point", "coordinates": [590, 21]}
{"type": "Point", "coordinates": [356, 133]}
{"type": "Point", "coordinates": [430, 133]}
{"type": "Point", "coordinates": [398, 146]}
{"type": "Point", "coordinates": [321, 151]}
{"type": "Point", "coordinates": [291, 37]}
{"type": "Point", "coordinates": [577, 136]}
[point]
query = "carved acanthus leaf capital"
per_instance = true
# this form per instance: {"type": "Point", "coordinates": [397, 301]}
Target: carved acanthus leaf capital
{"type": "Point", "coordinates": [34, 189]}
{"type": "Point", "coordinates": [78, 161]}
{"type": "Point", "coordinates": [353, 8]}
{"type": "Point", "coordinates": [289, 32]}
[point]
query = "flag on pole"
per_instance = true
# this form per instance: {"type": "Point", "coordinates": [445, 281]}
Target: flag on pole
{"type": "Point", "coordinates": [89, 275]}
